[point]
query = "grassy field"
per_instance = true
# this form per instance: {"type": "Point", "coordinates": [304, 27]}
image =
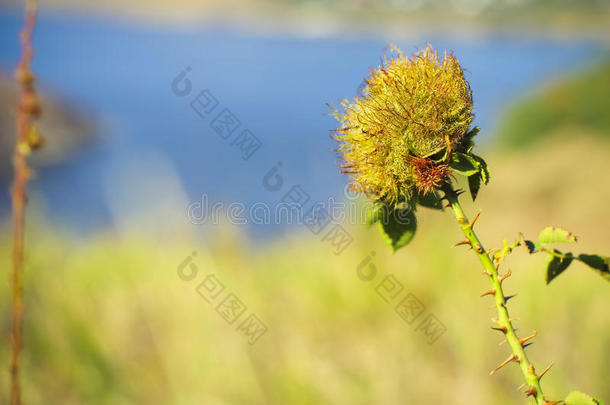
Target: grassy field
{"type": "Point", "coordinates": [108, 320]}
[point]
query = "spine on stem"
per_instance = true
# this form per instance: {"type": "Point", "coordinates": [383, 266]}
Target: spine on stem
{"type": "Point", "coordinates": [403, 141]}
{"type": "Point", "coordinates": [503, 322]}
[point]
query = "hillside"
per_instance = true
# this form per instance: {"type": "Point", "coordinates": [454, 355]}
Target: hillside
{"type": "Point", "coordinates": [568, 106]}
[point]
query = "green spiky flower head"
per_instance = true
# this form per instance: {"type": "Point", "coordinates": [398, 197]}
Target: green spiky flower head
{"type": "Point", "coordinates": [395, 140]}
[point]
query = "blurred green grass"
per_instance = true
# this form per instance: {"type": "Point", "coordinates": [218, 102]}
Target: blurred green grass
{"type": "Point", "coordinates": [108, 320]}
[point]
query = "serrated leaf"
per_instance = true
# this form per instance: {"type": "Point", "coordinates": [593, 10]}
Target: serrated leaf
{"type": "Point", "coordinates": [464, 164]}
{"type": "Point", "coordinates": [598, 263]}
{"type": "Point", "coordinates": [557, 265]}
{"type": "Point", "coordinates": [580, 398]}
{"type": "Point", "coordinates": [483, 169]}
{"type": "Point", "coordinates": [430, 200]}
{"type": "Point", "coordinates": [438, 156]}
{"type": "Point", "coordinates": [398, 229]}
{"type": "Point", "coordinates": [552, 234]}
{"type": "Point", "coordinates": [474, 184]}
{"type": "Point", "coordinates": [375, 213]}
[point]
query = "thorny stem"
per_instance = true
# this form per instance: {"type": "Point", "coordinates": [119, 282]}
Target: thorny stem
{"type": "Point", "coordinates": [28, 109]}
{"type": "Point", "coordinates": [504, 322]}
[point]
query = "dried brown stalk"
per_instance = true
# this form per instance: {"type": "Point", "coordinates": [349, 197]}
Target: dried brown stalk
{"type": "Point", "coordinates": [29, 109]}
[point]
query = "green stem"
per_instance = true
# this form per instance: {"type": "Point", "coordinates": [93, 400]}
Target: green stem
{"type": "Point", "coordinates": [553, 253]}
{"type": "Point", "coordinates": [504, 323]}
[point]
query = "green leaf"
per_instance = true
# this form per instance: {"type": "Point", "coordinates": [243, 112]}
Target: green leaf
{"type": "Point", "coordinates": [430, 200]}
{"type": "Point", "coordinates": [474, 184]}
{"type": "Point", "coordinates": [598, 263]}
{"type": "Point", "coordinates": [483, 169]}
{"type": "Point", "coordinates": [552, 234]}
{"type": "Point", "coordinates": [464, 164]}
{"type": "Point", "coordinates": [375, 213]}
{"type": "Point", "coordinates": [579, 398]}
{"type": "Point", "coordinates": [482, 174]}
{"type": "Point", "coordinates": [467, 141]}
{"type": "Point", "coordinates": [438, 156]}
{"type": "Point", "coordinates": [557, 265]}
{"type": "Point", "coordinates": [398, 228]}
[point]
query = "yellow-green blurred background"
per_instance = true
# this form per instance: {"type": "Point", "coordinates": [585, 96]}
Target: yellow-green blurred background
{"type": "Point", "coordinates": [109, 321]}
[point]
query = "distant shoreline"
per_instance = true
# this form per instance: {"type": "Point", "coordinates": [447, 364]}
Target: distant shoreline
{"type": "Point", "coordinates": [318, 21]}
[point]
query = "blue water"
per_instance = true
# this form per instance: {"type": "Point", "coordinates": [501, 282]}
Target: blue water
{"type": "Point", "coordinates": [276, 87]}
